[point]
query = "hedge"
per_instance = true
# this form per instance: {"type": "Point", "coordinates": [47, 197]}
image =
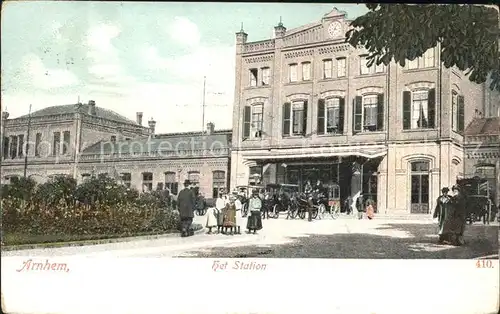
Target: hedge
{"type": "Point", "coordinates": [99, 206]}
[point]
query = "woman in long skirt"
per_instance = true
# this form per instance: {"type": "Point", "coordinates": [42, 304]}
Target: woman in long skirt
{"type": "Point", "coordinates": [239, 217]}
{"type": "Point", "coordinates": [254, 222]}
{"type": "Point", "coordinates": [230, 217]}
{"type": "Point", "coordinates": [211, 219]}
{"type": "Point", "coordinates": [220, 206]}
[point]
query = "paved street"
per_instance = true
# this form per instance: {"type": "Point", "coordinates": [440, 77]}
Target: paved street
{"type": "Point", "coordinates": [342, 238]}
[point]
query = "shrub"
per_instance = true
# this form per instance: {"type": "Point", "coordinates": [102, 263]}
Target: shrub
{"type": "Point", "coordinates": [99, 206]}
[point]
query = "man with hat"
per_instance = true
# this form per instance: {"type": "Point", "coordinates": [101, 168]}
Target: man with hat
{"type": "Point", "coordinates": [443, 213]}
{"type": "Point", "coordinates": [186, 201]}
{"type": "Point", "coordinates": [459, 220]}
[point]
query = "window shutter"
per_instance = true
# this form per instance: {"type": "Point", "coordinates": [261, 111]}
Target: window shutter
{"type": "Point", "coordinates": [406, 110]}
{"type": "Point", "coordinates": [341, 115]}
{"type": "Point", "coordinates": [380, 112]}
{"type": "Point", "coordinates": [286, 118]}
{"type": "Point", "coordinates": [304, 123]}
{"type": "Point", "coordinates": [432, 108]}
{"type": "Point", "coordinates": [246, 122]}
{"type": "Point", "coordinates": [461, 113]}
{"type": "Point", "coordinates": [358, 114]}
{"type": "Point", "coordinates": [321, 117]}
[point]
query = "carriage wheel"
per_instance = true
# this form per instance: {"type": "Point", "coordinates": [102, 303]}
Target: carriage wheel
{"type": "Point", "coordinates": [321, 211]}
{"type": "Point", "coordinates": [334, 211]}
{"type": "Point", "coordinates": [276, 211]}
{"type": "Point", "coordinates": [244, 210]}
{"type": "Point", "coordinates": [292, 211]}
{"type": "Point", "coordinates": [302, 214]}
{"type": "Point", "coordinates": [314, 213]}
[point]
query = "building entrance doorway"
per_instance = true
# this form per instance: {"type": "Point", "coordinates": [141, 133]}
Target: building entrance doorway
{"type": "Point", "coordinates": [419, 187]}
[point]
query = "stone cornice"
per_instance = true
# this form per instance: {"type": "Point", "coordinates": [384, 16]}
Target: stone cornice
{"type": "Point", "coordinates": [259, 59]}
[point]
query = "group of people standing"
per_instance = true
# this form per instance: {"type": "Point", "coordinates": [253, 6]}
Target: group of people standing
{"type": "Point", "coordinates": [226, 217]}
{"type": "Point", "coordinates": [452, 217]}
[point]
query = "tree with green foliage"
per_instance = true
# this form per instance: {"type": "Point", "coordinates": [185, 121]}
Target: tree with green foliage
{"type": "Point", "coordinates": [467, 36]}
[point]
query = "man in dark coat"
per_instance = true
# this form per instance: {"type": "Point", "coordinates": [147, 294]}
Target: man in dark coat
{"type": "Point", "coordinates": [186, 202]}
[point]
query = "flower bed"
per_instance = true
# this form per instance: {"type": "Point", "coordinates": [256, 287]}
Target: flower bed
{"type": "Point", "coordinates": [98, 208]}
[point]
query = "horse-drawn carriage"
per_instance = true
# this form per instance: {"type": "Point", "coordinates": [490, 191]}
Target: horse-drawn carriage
{"type": "Point", "coordinates": [478, 203]}
{"type": "Point", "coordinates": [279, 199]}
{"type": "Point", "coordinates": [332, 201]}
{"type": "Point", "coordinates": [244, 194]}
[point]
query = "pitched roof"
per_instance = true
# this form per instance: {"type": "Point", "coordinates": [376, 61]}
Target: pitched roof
{"type": "Point", "coordinates": [82, 108]}
{"type": "Point", "coordinates": [483, 126]}
{"type": "Point", "coordinates": [181, 144]}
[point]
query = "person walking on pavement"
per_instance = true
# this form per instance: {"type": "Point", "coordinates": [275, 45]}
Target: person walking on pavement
{"type": "Point", "coordinates": [308, 190]}
{"type": "Point", "coordinates": [254, 222]}
{"type": "Point", "coordinates": [186, 202]}
{"type": "Point", "coordinates": [220, 206]}
{"type": "Point", "coordinates": [443, 213]}
{"type": "Point", "coordinates": [239, 217]}
{"type": "Point", "coordinates": [230, 216]}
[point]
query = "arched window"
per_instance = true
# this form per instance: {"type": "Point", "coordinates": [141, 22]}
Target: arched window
{"type": "Point", "coordinates": [419, 189]}
{"type": "Point", "coordinates": [218, 182]}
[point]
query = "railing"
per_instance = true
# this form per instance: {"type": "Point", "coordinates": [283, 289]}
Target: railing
{"type": "Point", "coordinates": [259, 46]}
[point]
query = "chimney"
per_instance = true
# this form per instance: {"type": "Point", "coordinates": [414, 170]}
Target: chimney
{"type": "Point", "coordinates": [152, 125]}
{"type": "Point", "coordinates": [92, 110]}
{"type": "Point", "coordinates": [138, 118]}
{"type": "Point", "coordinates": [210, 128]}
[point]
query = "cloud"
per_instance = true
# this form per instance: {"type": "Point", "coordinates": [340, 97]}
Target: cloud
{"type": "Point", "coordinates": [39, 76]}
{"type": "Point", "coordinates": [184, 31]}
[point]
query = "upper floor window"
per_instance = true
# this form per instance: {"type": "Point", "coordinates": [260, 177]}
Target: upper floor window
{"type": "Point", "coordinates": [295, 118]}
{"type": "Point", "coordinates": [327, 69]}
{"type": "Point", "coordinates": [330, 116]}
{"type": "Point", "coordinates": [6, 144]}
{"type": "Point", "coordinates": [419, 109]}
{"type": "Point", "coordinates": [306, 71]}
{"type": "Point", "coordinates": [253, 119]}
{"type": "Point", "coordinates": [369, 113]}
{"type": "Point", "coordinates": [21, 148]}
{"type": "Point", "coordinates": [293, 72]}
{"type": "Point", "coordinates": [257, 120]}
{"type": "Point", "coordinates": [341, 67]}
{"type": "Point", "coordinates": [56, 143]}
{"type": "Point", "coordinates": [457, 115]}
{"type": "Point", "coordinates": [66, 142]}
{"type": "Point", "coordinates": [425, 61]}
{"type": "Point", "coordinates": [266, 76]}
{"type": "Point", "coordinates": [365, 69]}
{"type": "Point", "coordinates": [254, 73]}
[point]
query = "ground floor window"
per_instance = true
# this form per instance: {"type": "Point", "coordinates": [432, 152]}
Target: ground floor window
{"type": "Point", "coordinates": [419, 188]}
{"type": "Point", "coordinates": [147, 181]}
{"type": "Point", "coordinates": [171, 182]}
{"type": "Point", "coordinates": [218, 182]}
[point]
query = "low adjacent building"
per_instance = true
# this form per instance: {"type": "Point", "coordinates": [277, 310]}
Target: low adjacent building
{"type": "Point", "coordinates": [81, 140]}
{"type": "Point", "coordinates": [483, 152]}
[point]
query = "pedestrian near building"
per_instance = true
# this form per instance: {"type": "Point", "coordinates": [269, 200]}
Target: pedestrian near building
{"type": "Point", "coordinates": [254, 222]}
{"type": "Point", "coordinates": [186, 201]}
{"type": "Point", "coordinates": [239, 218]}
{"type": "Point", "coordinates": [443, 212]}
{"type": "Point", "coordinates": [220, 207]}
{"type": "Point", "coordinates": [370, 210]}
{"type": "Point", "coordinates": [230, 216]}
{"type": "Point", "coordinates": [459, 217]}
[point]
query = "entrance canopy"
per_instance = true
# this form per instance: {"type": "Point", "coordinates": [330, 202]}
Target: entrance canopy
{"type": "Point", "coordinates": [369, 152]}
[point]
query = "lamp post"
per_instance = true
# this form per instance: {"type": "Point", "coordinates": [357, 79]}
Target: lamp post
{"type": "Point", "coordinates": [27, 144]}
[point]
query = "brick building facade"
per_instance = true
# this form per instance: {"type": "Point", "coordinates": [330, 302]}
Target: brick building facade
{"type": "Point", "coordinates": [83, 140]}
{"type": "Point", "coordinates": [307, 107]}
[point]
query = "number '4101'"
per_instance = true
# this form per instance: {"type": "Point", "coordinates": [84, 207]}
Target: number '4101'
{"type": "Point", "coordinates": [484, 263]}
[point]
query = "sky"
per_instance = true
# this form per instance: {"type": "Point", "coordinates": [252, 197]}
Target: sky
{"type": "Point", "coordinates": [131, 56]}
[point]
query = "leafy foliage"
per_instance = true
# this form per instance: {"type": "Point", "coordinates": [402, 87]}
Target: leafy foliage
{"type": "Point", "coordinates": [99, 206]}
{"type": "Point", "coordinates": [467, 35]}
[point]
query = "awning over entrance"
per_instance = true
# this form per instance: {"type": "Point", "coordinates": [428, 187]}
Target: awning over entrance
{"type": "Point", "coordinates": [368, 152]}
